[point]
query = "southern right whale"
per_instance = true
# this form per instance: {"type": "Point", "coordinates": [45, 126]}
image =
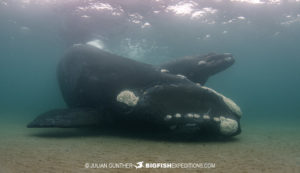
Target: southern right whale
{"type": "Point", "coordinates": [101, 88]}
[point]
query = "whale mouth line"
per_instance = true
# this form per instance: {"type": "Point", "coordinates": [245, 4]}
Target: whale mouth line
{"type": "Point", "coordinates": [226, 125]}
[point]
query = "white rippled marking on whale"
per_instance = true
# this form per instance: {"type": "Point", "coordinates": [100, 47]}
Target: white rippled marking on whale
{"type": "Point", "coordinates": [127, 97]}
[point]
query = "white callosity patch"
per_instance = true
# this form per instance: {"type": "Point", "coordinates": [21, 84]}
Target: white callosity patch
{"type": "Point", "coordinates": [181, 76]}
{"type": "Point", "coordinates": [168, 117]}
{"type": "Point", "coordinates": [228, 126]}
{"type": "Point", "coordinates": [201, 62]}
{"type": "Point", "coordinates": [206, 117]}
{"type": "Point", "coordinates": [127, 97]}
{"type": "Point", "coordinates": [216, 119]}
{"type": "Point", "coordinates": [231, 105]}
{"type": "Point", "coordinates": [177, 115]}
{"type": "Point", "coordinates": [190, 115]}
{"type": "Point", "coordinates": [164, 70]}
{"type": "Point", "coordinates": [197, 116]}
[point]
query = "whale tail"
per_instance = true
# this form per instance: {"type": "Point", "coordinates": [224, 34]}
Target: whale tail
{"type": "Point", "coordinates": [67, 118]}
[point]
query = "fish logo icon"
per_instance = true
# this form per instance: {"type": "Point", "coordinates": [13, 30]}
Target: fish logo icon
{"type": "Point", "coordinates": [139, 165]}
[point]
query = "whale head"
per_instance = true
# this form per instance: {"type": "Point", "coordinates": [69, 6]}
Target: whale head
{"type": "Point", "coordinates": [214, 63]}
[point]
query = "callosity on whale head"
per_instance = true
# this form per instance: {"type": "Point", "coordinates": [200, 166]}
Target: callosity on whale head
{"type": "Point", "coordinates": [101, 88]}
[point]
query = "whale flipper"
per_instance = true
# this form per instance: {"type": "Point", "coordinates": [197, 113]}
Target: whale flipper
{"type": "Point", "coordinates": [67, 118]}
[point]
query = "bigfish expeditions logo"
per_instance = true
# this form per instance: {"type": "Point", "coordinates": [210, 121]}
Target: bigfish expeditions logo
{"type": "Point", "coordinates": [147, 165]}
{"type": "Point", "coordinates": [139, 165]}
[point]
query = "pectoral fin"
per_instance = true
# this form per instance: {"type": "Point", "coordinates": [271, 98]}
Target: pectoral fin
{"type": "Point", "coordinates": [67, 118]}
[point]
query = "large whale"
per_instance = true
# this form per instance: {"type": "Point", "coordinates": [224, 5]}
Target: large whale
{"type": "Point", "coordinates": [101, 88]}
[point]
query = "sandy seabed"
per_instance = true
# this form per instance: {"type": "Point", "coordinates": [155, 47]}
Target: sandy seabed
{"type": "Point", "coordinates": [260, 148]}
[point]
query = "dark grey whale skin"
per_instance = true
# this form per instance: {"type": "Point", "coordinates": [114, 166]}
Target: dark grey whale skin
{"type": "Point", "coordinates": [91, 79]}
{"type": "Point", "coordinates": [209, 65]}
